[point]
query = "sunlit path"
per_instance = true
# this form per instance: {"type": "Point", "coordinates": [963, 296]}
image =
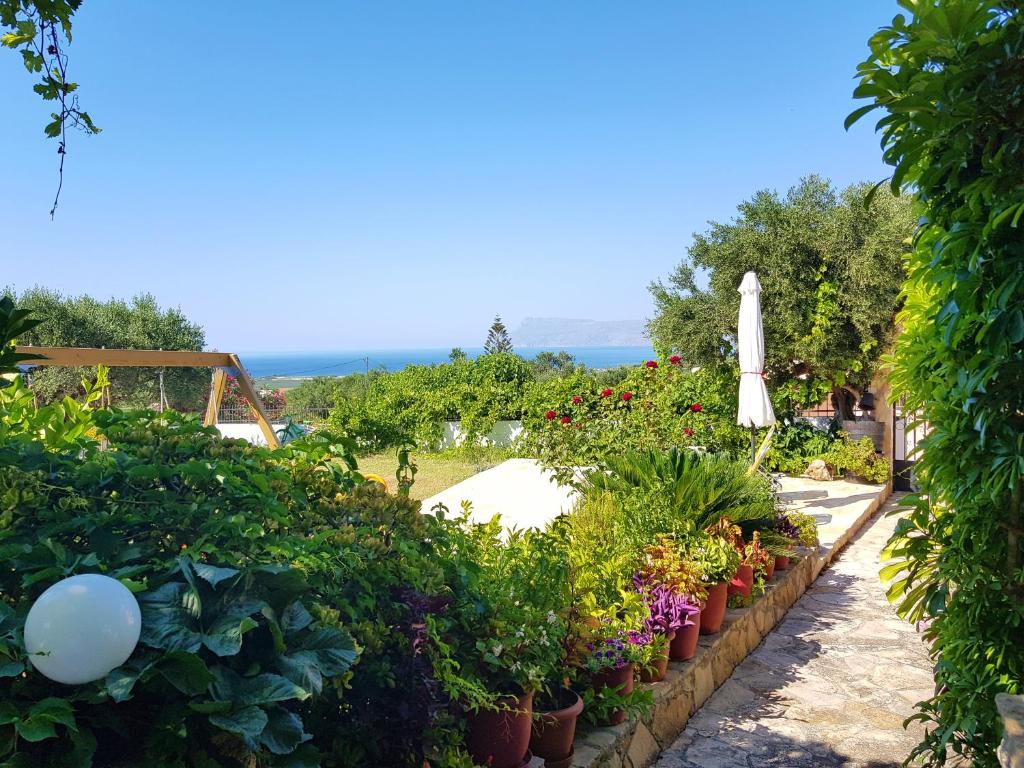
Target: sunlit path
{"type": "Point", "coordinates": [830, 686]}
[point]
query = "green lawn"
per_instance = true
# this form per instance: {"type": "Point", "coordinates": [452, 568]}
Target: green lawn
{"type": "Point", "coordinates": [437, 471]}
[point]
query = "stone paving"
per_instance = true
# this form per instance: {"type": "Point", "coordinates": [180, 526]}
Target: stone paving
{"type": "Point", "coordinates": [829, 686]}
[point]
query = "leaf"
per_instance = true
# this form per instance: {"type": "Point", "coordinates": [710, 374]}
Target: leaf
{"type": "Point", "coordinates": [53, 129]}
{"type": "Point", "coordinates": [212, 574]}
{"type": "Point", "coordinates": [33, 61]}
{"type": "Point", "coordinates": [857, 114]}
{"type": "Point", "coordinates": [261, 689]}
{"type": "Point", "coordinates": [12, 668]}
{"type": "Point", "coordinates": [186, 671]}
{"type": "Point", "coordinates": [224, 638]}
{"type": "Point", "coordinates": [166, 624]}
{"type": "Point", "coordinates": [39, 724]}
{"type": "Point", "coordinates": [247, 722]}
{"type": "Point", "coordinates": [303, 669]}
{"type": "Point", "coordinates": [335, 649]}
{"type": "Point", "coordinates": [284, 731]}
{"type": "Point", "coordinates": [294, 618]}
{"type": "Point", "coordinates": [120, 682]}
{"type": "Point", "coordinates": [35, 730]}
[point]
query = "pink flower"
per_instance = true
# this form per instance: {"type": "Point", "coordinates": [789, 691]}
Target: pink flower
{"type": "Point", "coordinates": [606, 392]}
{"type": "Point", "coordinates": [675, 360]}
{"type": "Point", "coordinates": [687, 431]}
{"type": "Point", "coordinates": [651, 363]}
{"type": "Point", "coordinates": [627, 396]}
{"type": "Point", "coordinates": [696, 407]}
{"type": "Point", "coordinates": [566, 420]}
{"type": "Point", "coordinates": [576, 399]}
{"type": "Point", "coordinates": [550, 415]}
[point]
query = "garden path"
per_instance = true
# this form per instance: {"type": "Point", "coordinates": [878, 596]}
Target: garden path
{"type": "Point", "coordinates": [829, 686]}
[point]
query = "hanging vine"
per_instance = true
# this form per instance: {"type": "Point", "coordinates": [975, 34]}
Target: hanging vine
{"type": "Point", "coordinates": [41, 31]}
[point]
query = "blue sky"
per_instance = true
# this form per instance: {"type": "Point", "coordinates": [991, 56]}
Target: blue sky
{"type": "Point", "coordinates": [338, 175]}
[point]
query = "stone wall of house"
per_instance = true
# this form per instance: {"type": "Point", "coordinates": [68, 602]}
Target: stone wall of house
{"type": "Point", "coordinates": [1011, 751]}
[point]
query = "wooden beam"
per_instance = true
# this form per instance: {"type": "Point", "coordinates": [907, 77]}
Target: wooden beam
{"type": "Point", "coordinates": [216, 395]}
{"type": "Point", "coordinates": [249, 392]}
{"type": "Point", "coordinates": [74, 357]}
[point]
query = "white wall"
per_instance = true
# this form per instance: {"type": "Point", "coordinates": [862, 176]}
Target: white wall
{"type": "Point", "coordinates": [250, 432]}
{"type": "Point", "coordinates": [502, 435]}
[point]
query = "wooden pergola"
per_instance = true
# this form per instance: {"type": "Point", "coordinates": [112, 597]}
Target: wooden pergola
{"type": "Point", "coordinates": [221, 362]}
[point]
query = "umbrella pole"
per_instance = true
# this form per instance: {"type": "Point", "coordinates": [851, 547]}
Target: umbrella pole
{"type": "Point", "coordinates": [753, 445]}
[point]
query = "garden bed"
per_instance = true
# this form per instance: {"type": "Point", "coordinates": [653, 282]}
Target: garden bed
{"type": "Point", "coordinates": [688, 685]}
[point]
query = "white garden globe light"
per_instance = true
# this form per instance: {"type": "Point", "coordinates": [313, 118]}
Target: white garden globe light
{"type": "Point", "coordinates": [81, 628]}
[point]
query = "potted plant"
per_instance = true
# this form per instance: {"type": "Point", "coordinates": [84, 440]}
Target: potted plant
{"type": "Point", "coordinates": [556, 706]}
{"type": "Point", "coordinates": [790, 537]}
{"type": "Point", "coordinates": [611, 666]}
{"type": "Point", "coordinates": [500, 639]}
{"type": "Point", "coordinates": [758, 557]}
{"type": "Point", "coordinates": [718, 560]}
{"type": "Point", "coordinates": [673, 590]}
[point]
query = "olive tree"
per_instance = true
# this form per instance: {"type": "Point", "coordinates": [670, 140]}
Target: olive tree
{"type": "Point", "coordinates": [830, 270]}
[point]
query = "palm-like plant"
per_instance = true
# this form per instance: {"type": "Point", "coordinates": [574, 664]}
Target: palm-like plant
{"type": "Point", "coordinates": [701, 488]}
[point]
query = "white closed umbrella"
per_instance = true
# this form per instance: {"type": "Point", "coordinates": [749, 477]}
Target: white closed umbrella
{"type": "Point", "coordinates": [755, 409]}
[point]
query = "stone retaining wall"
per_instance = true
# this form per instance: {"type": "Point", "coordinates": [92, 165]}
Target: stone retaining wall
{"type": "Point", "coordinates": [636, 744]}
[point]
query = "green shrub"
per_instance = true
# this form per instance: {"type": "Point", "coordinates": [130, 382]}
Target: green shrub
{"type": "Point", "coordinates": [696, 490]}
{"type": "Point", "coordinates": [796, 444]}
{"type": "Point", "coordinates": [949, 80]}
{"type": "Point", "coordinates": [297, 567]}
{"type": "Point", "coordinates": [411, 405]}
{"type": "Point", "coordinates": [857, 457]}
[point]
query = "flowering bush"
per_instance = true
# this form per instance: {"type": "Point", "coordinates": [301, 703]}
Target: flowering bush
{"type": "Point", "coordinates": [656, 407]}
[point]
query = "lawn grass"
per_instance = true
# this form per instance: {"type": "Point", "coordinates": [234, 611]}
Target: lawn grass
{"type": "Point", "coordinates": [436, 471]}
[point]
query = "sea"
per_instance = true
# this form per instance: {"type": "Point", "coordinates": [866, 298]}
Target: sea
{"type": "Point", "coordinates": [301, 365]}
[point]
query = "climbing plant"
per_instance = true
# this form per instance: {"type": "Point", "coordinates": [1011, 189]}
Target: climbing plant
{"type": "Point", "coordinates": [950, 78]}
{"type": "Point", "coordinates": [40, 30]}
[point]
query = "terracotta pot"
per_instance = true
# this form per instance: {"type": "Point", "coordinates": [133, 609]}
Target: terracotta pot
{"type": "Point", "coordinates": [614, 678]}
{"type": "Point", "coordinates": [501, 739]}
{"type": "Point", "coordinates": [769, 571]}
{"type": "Point", "coordinates": [656, 673]}
{"type": "Point", "coordinates": [714, 609]}
{"type": "Point", "coordinates": [555, 729]}
{"type": "Point", "coordinates": [743, 581]}
{"type": "Point", "coordinates": [781, 563]}
{"type": "Point", "coordinates": [684, 646]}
{"type": "Point", "coordinates": [565, 762]}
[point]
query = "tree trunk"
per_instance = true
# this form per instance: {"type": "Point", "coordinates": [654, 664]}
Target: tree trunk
{"type": "Point", "coordinates": [843, 401]}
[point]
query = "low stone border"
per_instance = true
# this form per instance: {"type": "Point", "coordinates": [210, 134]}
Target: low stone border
{"type": "Point", "coordinates": [689, 684]}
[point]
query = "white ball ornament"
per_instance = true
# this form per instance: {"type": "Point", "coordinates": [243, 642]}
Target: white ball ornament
{"type": "Point", "coordinates": [81, 628]}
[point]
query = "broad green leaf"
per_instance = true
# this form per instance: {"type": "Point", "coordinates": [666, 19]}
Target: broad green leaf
{"type": "Point", "coordinates": [284, 731]}
{"type": "Point", "coordinates": [247, 722]}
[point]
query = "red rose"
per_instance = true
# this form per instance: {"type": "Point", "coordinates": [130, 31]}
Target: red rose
{"type": "Point", "coordinates": [688, 432]}
{"type": "Point", "coordinates": [550, 415]}
{"type": "Point", "coordinates": [606, 392]}
{"type": "Point", "coordinates": [675, 360]}
{"type": "Point", "coordinates": [696, 407]}
{"type": "Point", "coordinates": [627, 396]}
{"type": "Point", "coordinates": [576, 399]}
{"type": "Point", "coordinates": [651, 363]}
{"type": "Point", "coordinates": [565, 420]}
